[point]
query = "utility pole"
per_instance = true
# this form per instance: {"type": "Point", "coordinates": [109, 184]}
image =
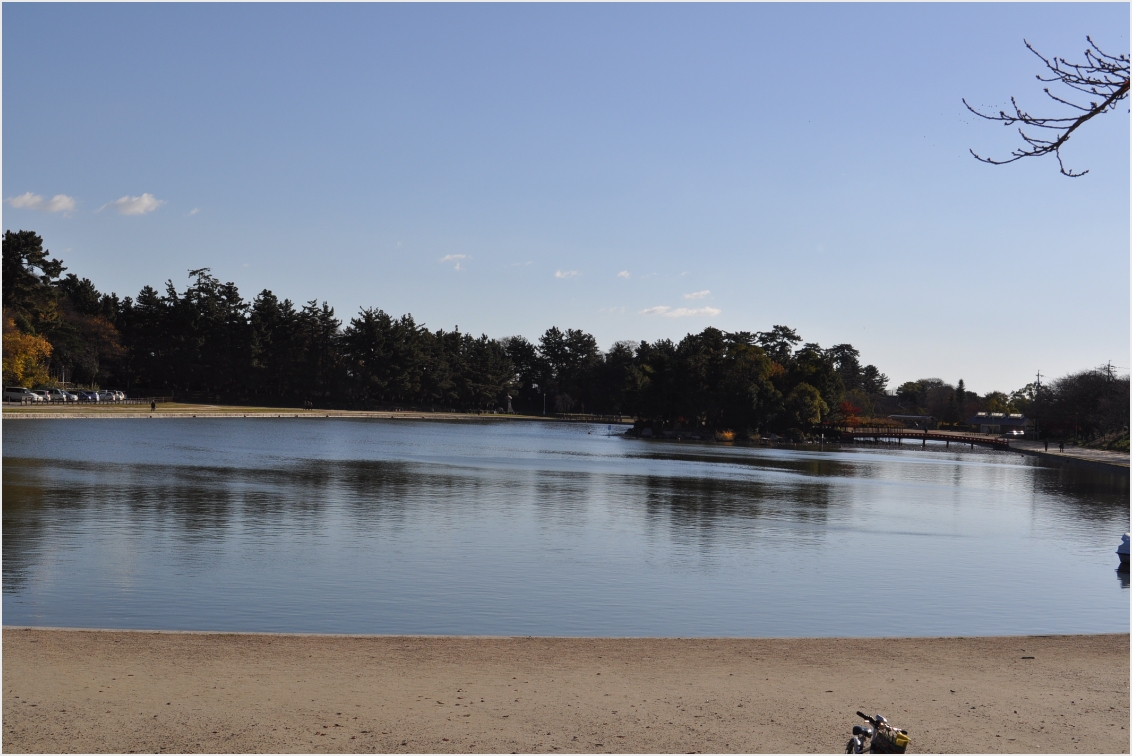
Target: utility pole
{"type": "Point", "coordinates": [1037, 394]}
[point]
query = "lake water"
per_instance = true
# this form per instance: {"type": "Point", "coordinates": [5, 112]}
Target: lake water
{"type": "Point", "coordinates": [525, 528]}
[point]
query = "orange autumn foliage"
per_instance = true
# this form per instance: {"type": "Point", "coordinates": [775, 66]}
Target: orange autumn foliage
{"type": "Point", "coordinates": [25, 356]}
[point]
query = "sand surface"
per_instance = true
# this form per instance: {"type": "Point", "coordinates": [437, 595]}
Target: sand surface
{"type": "Point", "coordinates": [97, 691]}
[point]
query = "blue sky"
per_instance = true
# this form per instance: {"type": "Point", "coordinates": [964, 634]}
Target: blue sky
{"type": "Point", "coordinates": [636, 171]}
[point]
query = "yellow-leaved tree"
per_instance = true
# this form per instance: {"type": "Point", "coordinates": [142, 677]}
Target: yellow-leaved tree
{"type": "Point", "coordinates": [25, 356]}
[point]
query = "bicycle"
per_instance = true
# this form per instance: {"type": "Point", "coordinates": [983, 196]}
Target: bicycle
{"type": "Point", "coordinates": [881, 737]}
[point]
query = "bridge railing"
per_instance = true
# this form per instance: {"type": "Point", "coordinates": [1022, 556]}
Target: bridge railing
{"type": "Point", "coordinates": [580, 417]}
{"type": "Point", "coordinates": [910, 433]}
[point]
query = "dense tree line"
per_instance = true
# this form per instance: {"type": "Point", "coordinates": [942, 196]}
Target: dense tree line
{"type": "Point", "coordinates": [1090, 405]}
{"type": "Point", "coordinates": [747, 382]}
{"type": "Point", "coordinates": [207, 342]}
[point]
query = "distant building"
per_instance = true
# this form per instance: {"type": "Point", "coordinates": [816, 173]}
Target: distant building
{"type": "Point", "coordinates": [999, 422]}
{"type": "Point", "coordinates": [922, 422]}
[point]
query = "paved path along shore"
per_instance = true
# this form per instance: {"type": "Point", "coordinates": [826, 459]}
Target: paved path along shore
{"type": "Point", "coordinates": [1072, 454]}
{"type": "Point", "coordinates": [177, 410]}
{"type": "Point", "coordinates": [215, 410]}
{"type": "Point", "coordinates": [1096, 458]}
{"type": "Point", "coordinates": [100, 691]}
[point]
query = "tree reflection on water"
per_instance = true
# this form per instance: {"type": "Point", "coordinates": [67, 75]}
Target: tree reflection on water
{"type": "Point", "coordinates": [460, 530]}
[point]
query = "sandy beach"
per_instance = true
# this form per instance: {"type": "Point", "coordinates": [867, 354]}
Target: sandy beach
{"type": "Point", "coordinates": [99, 691]}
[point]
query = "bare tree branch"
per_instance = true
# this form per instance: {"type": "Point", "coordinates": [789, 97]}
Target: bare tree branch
{"type": "Point", "coordinates": [1103, 76]}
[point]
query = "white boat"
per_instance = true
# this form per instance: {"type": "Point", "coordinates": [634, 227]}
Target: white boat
{"type": "Point", "coordinates": [1122, 551]}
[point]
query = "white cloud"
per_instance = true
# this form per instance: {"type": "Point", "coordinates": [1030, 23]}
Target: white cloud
{"type": "Point", "coordinates": [194, 211]}
{"type": "Point", "coordinates": [127, 205]}
{"type": "Point", "coordinates": [685, 312]}
{"type": "Point", "coordinates": [26, 201]}
{"type": "Point", "coordinates": [566, 273]}
{"type": "Point", "coordinates": [698, 294]}
{"type": "Point", "coordinates": [456, 259]}
{"type": "Point", "coordinates": [60, 203]}
{"type": "Point", "coordinates": [681, 312]}
{"type": "Point", "coordinates": [623, 274]}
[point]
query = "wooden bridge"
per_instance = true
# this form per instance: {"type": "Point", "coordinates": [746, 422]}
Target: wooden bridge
{"type": "Point", "coordinates": [583, 418]}
{"type": "Point", "coordinates": [898, 435]}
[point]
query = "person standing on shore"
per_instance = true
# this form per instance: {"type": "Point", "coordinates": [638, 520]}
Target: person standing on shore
{"type": "Point", "coordinates": [153, 405]}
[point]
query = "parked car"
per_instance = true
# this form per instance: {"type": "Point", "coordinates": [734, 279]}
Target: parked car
{"type": "Point", "coordinates": [88, 396]}
{"type": "Point", "coordinates": [120, 394]}
{"type": "Point", "coordinates": [43, 394]}
{"type": "Point", "coordinates": [59, 395]}
{"type": "Point", "coordinates": [20, 394]}
{"type": "Point", "coordinates": [108, 396]}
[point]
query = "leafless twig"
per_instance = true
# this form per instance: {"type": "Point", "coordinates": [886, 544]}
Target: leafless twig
{"type": "Point", "coordinates": [1102, 76]}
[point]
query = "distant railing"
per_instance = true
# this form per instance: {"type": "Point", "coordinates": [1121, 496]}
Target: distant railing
{"type": "Point", "coordinates": [578, 417]}
{"type": "Point", "coordinates": [924, 436]}
{"type": "Point", "coordinates": [89, 403]}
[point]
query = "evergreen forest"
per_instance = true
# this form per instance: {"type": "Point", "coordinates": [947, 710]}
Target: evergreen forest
{"type": "Point", "coordinates": [205, 342]}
